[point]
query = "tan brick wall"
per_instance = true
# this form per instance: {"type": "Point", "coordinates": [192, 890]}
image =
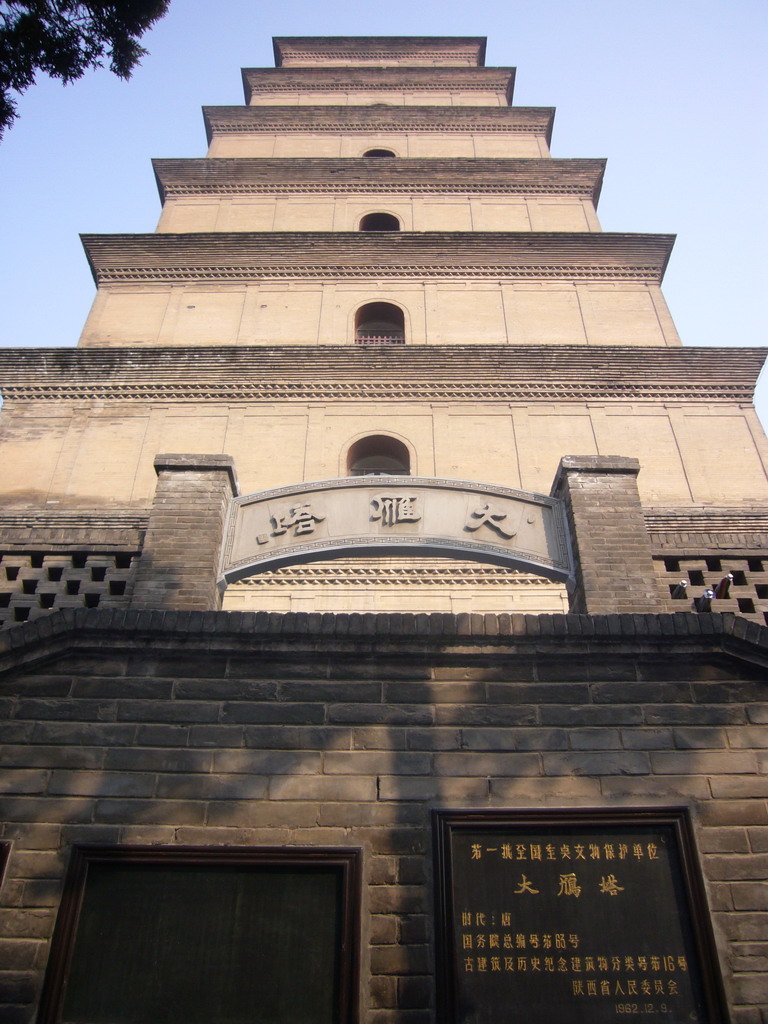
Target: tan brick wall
{"type": "Point", "coordinates": [394, 97]}
{"type": "Point", "coordinates": [98, 454]}
{"type": "Point", "coordinates": [297, 144]}
{"type": "Point", "coordinates": [431, 213]}
{"type": "Point", "coordinates": [437, 312]}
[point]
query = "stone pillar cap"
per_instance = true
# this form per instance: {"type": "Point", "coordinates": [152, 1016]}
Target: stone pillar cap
{"type": "Point", "coordinates": [198, 463]}
{"type": "Point", "coordinates": [594, 464]}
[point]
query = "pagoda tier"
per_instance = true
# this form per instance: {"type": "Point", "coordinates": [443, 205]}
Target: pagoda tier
{"type": "Point", "coordinates": [438, 86]}
{"type": "Point", "coordinates": [378, 118]}
{"type": "Point", "coordinates": [247, 256]}
{"type": "Point", "coordinates": [243, 176]}
{"type": "Point", "coordinates": [386, 51]}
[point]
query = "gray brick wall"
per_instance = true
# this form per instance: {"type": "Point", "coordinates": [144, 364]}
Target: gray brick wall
{"type": "Point", "coordinates": [180, 557]}
{"type": "Point", "coordinates": [227, 728]}
{"type": "Point", "coordinates": [611, 548]}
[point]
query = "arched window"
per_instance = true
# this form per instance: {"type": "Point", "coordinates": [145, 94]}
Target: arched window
{"type": "Point", "coordinates": [377, 153]}
{"type": "Point", "coordinates": [378, 455]}
{"type": "Point", "coordinates": [379, 222]}
{"type": "Point", "coordinates": [379, 323]}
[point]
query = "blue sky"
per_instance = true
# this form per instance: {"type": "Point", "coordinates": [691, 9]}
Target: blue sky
{"type": "Point", "coordinates": [672, 92]}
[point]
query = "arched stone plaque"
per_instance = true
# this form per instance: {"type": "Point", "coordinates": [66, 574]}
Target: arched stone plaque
{"type": "Point", "coordinates": [395, 515]}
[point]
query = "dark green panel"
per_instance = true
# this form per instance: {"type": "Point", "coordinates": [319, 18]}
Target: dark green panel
{"type": "Point", "coordinates": [161, 944]}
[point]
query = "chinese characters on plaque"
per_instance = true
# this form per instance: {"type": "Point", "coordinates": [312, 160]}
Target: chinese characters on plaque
{"type": "Point", "coordinates": [301, 517]}
{"type": "Point", "coordinates": [388, 509]}
{"type": "Point", "coordinates": [492, 516]}
{"type": "Point", "coordinates": [391, 509]}
{"type": "Point", "coordinates": [573, 925]}
{"type": "Point", "coordinates": [370, 514]}
{"type": "Point", "coordinates": [295, 520]}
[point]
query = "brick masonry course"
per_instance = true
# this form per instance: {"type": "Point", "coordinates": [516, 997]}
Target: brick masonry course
{"type": "Point", "coordinates": [187, 728]}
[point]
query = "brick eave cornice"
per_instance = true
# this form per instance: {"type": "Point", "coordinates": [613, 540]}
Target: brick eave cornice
{"type": "Point", "coordinates": [706, 519]}
{"type": "Point", "coordinates": [247, 256]}
{"type": "Point", "coordinates": [514, 176]}
{"type": "Point", "coordinates": [377, 117]}
{"type": "Point", "coordinates": [501, 373]}
{"type": "Point", "coordinates": [269, 80]}
{"type": "Point", "coordinates": [409, 51]}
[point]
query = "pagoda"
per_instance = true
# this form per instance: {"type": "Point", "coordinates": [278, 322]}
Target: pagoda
{"type": "Point", "coordinates": [378, 524]}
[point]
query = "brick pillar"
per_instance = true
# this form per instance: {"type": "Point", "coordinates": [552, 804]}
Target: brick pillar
{"type": "Point", "coordinates": [611, 548]}
{"type": "Point", "coordinates": [180, 557]}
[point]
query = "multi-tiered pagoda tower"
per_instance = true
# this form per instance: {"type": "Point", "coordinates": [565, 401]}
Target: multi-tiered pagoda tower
{"type": "Point", "coordinates": [383, 313]}
{"type": "Point", "coordinates": [378, 264]}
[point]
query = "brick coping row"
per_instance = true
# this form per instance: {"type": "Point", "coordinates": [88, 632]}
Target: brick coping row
{"type": "Point", "coordinates": [423, 630]}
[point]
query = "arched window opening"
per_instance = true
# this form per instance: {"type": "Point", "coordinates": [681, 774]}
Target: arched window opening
{"type": "Point", "coordinates": [379, 323]}
{"type": "Point", "coordinates": [378, 153]}
{"type": "Point", "coordinates": [379, 222]}
{"type": "Point", "coordinates": [378, 455]}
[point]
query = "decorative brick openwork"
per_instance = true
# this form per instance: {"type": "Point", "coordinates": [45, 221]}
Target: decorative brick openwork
{"type": "Point", "coordinates": [397, 573]}
{"type": "Point", "coordinates": [33, 584]}
{"type": "Point", "coordinates": [36, 583]}
{"type": "Point", "coordinates": [379, 585]}
{"type": "Point", "coordinates": [748, 595]}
